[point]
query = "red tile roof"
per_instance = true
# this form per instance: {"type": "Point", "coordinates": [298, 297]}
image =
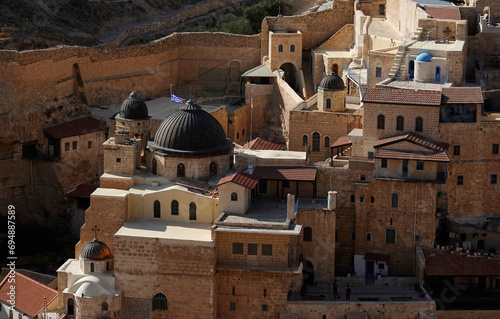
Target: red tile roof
{"type": "Point", "coordinates": [412, 155]}
{"type": "Point", "coordinates": [443, 13]}
{"type": "Point", "coordinates": [260, 144]}
{"type": "Point", "coordinates": [444, 263]}
{"type": "Point", "coordinates": [29, 294]}
{"type": "Point", "coordinates": [402, 96]}
{"type": "Point", "coordinates": [342, 141]}
{"type": "Point", "coordinates": [84, 125]}
{"type": "Point", "coordinates": [285, 173]}
{"type": "Point", "coordinates": [377, 257]}
{"type": "Point", "coordinates": [462, 95]}
{"type": "Point", "coordinates": [243, 179]}
{"type": "Point", "coordinates": [414, 138]}
{"type": "Point", "coordinates": [83, 191]}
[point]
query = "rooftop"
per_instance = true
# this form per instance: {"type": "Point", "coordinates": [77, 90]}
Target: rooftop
{"type": "Point", "coordinates": [400, 96]}
{"type": "Point", "coordinates": [260, 144]}
{"type": "Point", "coordinates": [284, 173]}
{"type": "Point", "coordinates": [439, 262]}
{"type": "Point", "coordinates": [443, 13]}
{"type": "Point", "coordinates": [243, 179]}
{"type": "Point", "coordinates": [81, 126]}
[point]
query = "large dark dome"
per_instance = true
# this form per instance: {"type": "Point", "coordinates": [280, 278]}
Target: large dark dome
{"type": "Point", "coordinates": [96, 250]}
{"type": "Point", "coordinates": [133, 108]}
{"type": "Point", "coordinates": [191, 132]}
{"type": "Point", "coordinates": [332, 82]}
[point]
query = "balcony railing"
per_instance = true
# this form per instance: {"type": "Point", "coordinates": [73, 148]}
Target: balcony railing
{"type": "Point", "coordinates": [311, 203]}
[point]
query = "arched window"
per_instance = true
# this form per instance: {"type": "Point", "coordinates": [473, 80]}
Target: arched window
{"type": "Point", "coordinates": [419, 124]}
{"type": "Point", "coordinates": [213, 169]}
{"type": "Point", "coordinates": [192, 211]}
{"type": "Point", "coordinates": [234, 197]}
{"type": "Point", "coordinates": [352, 198]}
{"type": "Point", "coordinates": [308, 233]}
{"type": "Point", "coordinates": [400, 123]}
{"type": "Point", "coordinates": [328, 103]}
{"type": "Point", "coordinates": [71, 307]}
{"type": "Point", "coordinates": [335, 69]}
{"type": "Point", "coordinates": [92, 267]}
{"type": "Point", "coordinates": [327, 141]}
{"type": "Point", "coordinates": [304, 140]}
{"type": "Point", "coordinates": [154, 166]}
{"type": "Point", "coordinates": [381, 122]}
{"type": "Point", "coordinates": [372, 200]}
{"type": "Point", "coordinates": [292, 48]}
{"type": "Point", "coordinates": [104, 306]}
{"type": "Point", "coordinates": [174, 207]}
{"type": "Point", "coordinates": [394, 200]}
{"type": "Point", "coordinates": [156, 209]}
{"type": "Point", "coordinates": [315, 142]}
{"type": "Point", "coordinates": [181, 170]}
{"type": "Point", "coordinates": [160, 302]}
{"type": "Point", "coordinates": [280, 48]}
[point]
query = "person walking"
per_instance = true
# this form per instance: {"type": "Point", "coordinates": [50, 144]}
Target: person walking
{"type": "Point", "coordinates": [335, 290]}
{"type": "Point", "coordinates": [348, 293]}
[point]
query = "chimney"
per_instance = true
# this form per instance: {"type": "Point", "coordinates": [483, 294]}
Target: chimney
{"type": "Point", "coordinates": [290, 207]}
{"type": "Point", "coordinates": [332, 200]}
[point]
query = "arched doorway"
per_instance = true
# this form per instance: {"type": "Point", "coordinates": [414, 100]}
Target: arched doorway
{"type": "Point", "coordinates": [307, 272]}
{"type": "Point", "coordinates": [411, 70]}
{"type": "Point", "coordinates": [71, 307]}
{"type": "Point", "coordinates": [438, 74]}
{"type": "Point", "coordinates": [289, 69]}
{"type": "Point", "coordinates": [213, 169]}
{"type": "Point", "coordinates": [335, 69]}
{"type": "Point", "coordinates": [181, 170]}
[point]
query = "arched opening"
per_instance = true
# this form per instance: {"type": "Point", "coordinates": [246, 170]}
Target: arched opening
{"type": "Point", "coordinates": [289, 75]}
{"type": "Point", "coordinates": [157, 209]}
{"type": "Point", "coordinates": [329, 103]}
{"type": "Point", "coordinates": [316, 140]}
{"type": "Point", "coordinates": [280, 48]}
{"type": "Point", "coordinates": [292, 48]}
{"type": "Point", "coordinates": [308, 234]}
{"type": "Point", "coordinates": [192, 211]}
{"type": "Point", "coordinates": [104, 306]}
{"type": "Point", "coordinates": [174, 207]}
{"type": "Point", "coordinates": [234, 197]}
{"type": "Point", "coordinates": [419, 124]}
{"type": "Point", "coordinates": [304, 140]}
{"type": "Point", "coordinates": [400, 123]}
{"type": "Point", "coordinates": [160, 302]}
{"type": "Point", "coordinates": [394, 200]}
{"type": "Point", "coordinates": [154, 166]}
{"type": "Point", "coordinates": [181, 170]}
{"type": "Point", "coordinates": [307, 272]}
{"type": "Point", "coordinates": [411, 69]}
{"type": "Point", "coordinates": [381, 122]}
{"type": "Point", "coordinates": [71, 307]}
{"type": "Point", "coordinates": [438, 74]}
{"type": "Point", "coordinates": [107, 266]}
{"type": "Point", "coordinates": [327, 141]}
{"type": "Point", "coordinates": [213, 169]}
{"type": "Point", "coordinates": [92, 267]}
{"type": "Point", "coordinates": [335, 69]}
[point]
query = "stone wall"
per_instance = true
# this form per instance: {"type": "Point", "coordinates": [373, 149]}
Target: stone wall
{"type": "Point", "coordinates": [239, 125]}
{"type": "Point", "coordinates": [371, 8]}
{"type": "Point", "coordinates": [263, 104]}
{"type": "Point", "coordinates": [383, 60]}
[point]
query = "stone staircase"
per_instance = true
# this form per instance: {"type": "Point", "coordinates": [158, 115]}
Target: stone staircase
{"type": "Point", "coordinates": [398, 68]}
{"type": "Point", "coordinates": [308, 80]}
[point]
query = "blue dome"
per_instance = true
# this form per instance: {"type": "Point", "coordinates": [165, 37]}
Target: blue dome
{"type": "Point", "coordinates": [424, 57]}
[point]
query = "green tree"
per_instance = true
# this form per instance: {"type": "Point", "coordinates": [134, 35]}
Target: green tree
{"type": "Point", "coordinates": [232, 24]}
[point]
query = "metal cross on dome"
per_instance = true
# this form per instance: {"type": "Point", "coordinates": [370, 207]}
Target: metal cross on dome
{"type": "Point", "coordinates": [95, 229]}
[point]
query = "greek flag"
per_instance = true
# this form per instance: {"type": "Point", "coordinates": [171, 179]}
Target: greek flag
{"type": "Point", "coordinates": [174, 98]}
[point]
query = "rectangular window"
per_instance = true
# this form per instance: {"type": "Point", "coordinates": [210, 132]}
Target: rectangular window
{"type": "Point", "coordinates": [381, 266]}
{"type": "Point", "coordinates": [252, 249]}
{"type": "Point", "coordinates": [267, 250]}
{"type": "Point", "coordinates": [336, 236]}
{"type": "Point", "coordinates": [456, 150]}
{"type": "Point", "coordinates": [264, 308]}
{"type": "Point", "coordinates": [353, 236]}
{"type": "Point", "coordinates": [89, 144]}
{"type": "Point", "coordinates": [370, 155]}
{"type": "Point", "coordinates": [420, 165]}
{"type": "Point", "coordinates": [118, 160]}
{"type": "Point", "coordinates": [460, 180]}
{"type": "Point", "coordinates": [243, 132]}
{"type": "Point", "coordinates": [66, 146]}
{"type": "Point", "coordinates": [417, 237]}
{"type": "Point", "coordinates": [383, 163]}
{"type": "Point", "coordinates": [493, 179]}
{"type": "Point", "coordinates": [237, 135]}
{"type": "Point", "coordinates": [238, 248]}
{"type": "Point", "coordinates": [390, 236]}
{"type": "Point", "coordinates": [75, 145]}
{"type": "Point", "coordinates": [232, 306]}
{"type": "Point", "coordinates": [368, 237]}
{"type": "Point", "coordinates": [378, 72]}
{"type": "Point", "coordinates": [494, 149]}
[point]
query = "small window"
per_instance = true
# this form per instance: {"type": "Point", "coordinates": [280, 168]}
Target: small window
{"type": "Point", "coordinates": [107, 266]}
{"type": "Point", "coordinates": [243, 132]}
{"type": "Point", "coordinates": [92, 267]}
{"type": "Point", "coordinates": [381, 122]}
{"type": "Point", "coordinates": [267, 250]}
{"type": "Point", "coordinates": [419, 124]}
{"type": "Point", "coordinates": [75, 145]}
{"type": "Point", "coordinates": [118, 160]}
{"type": "Point", "coordinates": [264, 308]}
{"type": "Point", "coordinates": [104, 306]}
{"type": "Point", "coordinates": [336, 236]}
{"type": "Point", "coordinates": [352, 198]}
{"type": "Point", "coordinates": [89, 144]}
{"type": "Point", "coordinates": [237, 135]}
{"type": "Point", "coordinates": [181, 170]}
{"type": "Point", "coordinates": [234, 197]}
{"type": "Point", "coordinates": [480, 244]}
{"type": "Point", "coordinates": [417, 238]}
{"type": "Point", "coordinates": [390, 221]}
{"type": "Point", "coordinates": [237, 248]}
{"type": "Point", "coordinates": [159, 302]}
{"type": "Point", "coordinates": [308, 234]}
{"type": "Point", "coordinates": [252, 249]}
{"type": "Point", "coordinates": [280, 48]}
{"type": "Point", "coordinates": [361, 199]}
{"type": "Point", "coordinates": [327, 141]}
{"type": "Point", "coordinates": [304, 140]}
{"type": "Point", "coordinates": [378, 72]}
{"type": "Point", "coordinates": [383, 163]}
{"type": "Point", "coordinates": [456, 150]}
{"type": "Point", "coordinates": [353, 236]}
{"type": "Point", "coordinates": [368, 237]}
{"type": "Point", "coordinates": [493, 179]}
{"type": "Point", "coordinates": [263, 186]}
{"type": "Point", "coordinates": [66, 146]}
{"type": "Point", "coordinates": [292, 48]}
{"type": "Point", "coordinates": [370, 155]}
{"type": "Point", "coordinates": [400, 123]}
{"type": "Point", "coordinates": [381, 9]}
{"type": "Point", "coordinates": [381, 266]}
{"type": "Point", "coordinates": [265, 292]}
{"type": "Point", "coordinates": [174, 207]}
{"type": "Point", "coordinates": [494, 149]}
{"type": "Point", "coordinates": [460, 180]}
{"type": "Point", "coordinates": [234, 291]}
{"type": "Point", "coordinates": [372, 200]}
{"type": "Point", "coordinates": [328, 103]}
{"type": "Point", "coordinates": [394, 200]}
{"type": "Point", "coordinates": [232, 306]}
{"type": "Point", "coordinates": [420, 165]}
{"type": "Point", "coordinates": [390, 236]}
{"type": "Point", "coordinates": [192, 211]}
{"type": "Point", "coordinates": [156, 209]}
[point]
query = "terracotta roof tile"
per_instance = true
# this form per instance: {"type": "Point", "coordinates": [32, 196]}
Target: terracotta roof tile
{"type": "Point", "coordinates": [402, 96]}
{"type": "Point", "coordinates": [285, 173]}
{"type": "Point", "coordinates": [462, 95]}
{"type": "Point", "coordinates": [412, 155]}
{"type": "Point", "coordinates": [444, 263]}
{"type": "Point", "coordinates": [29, 294]}
{"type": "Point", "coordinates": [416, 139]}
{"type": "Point", "coordinates": [342, 141]}
{"type": "Point", "coordinates": [443, 13]}
{"type": "Point", "coordinates": [243, 179]}
{"type": "Point", "coordinates": [260, 144]}
{"type": "Point", "coordinates": [76, 127]}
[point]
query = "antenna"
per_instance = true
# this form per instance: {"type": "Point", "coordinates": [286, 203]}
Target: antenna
{"type": "Point", "coordinates": [95, 229]}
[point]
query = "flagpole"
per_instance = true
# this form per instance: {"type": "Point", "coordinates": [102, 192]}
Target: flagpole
{"type": "Point", "coordinates": [251, 115]}
{"type": "Point", "coordinates": [170, 98]}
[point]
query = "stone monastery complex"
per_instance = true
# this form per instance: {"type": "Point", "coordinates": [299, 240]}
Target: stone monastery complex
{"type": "Point", "coordinates": [355, 148]}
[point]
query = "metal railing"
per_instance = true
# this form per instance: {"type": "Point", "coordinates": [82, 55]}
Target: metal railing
{"type": "Point", "coordinates": [311, 203]}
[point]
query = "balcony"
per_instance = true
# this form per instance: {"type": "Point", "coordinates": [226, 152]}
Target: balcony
{"type": "Point", "coordinates": [311, 203]}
